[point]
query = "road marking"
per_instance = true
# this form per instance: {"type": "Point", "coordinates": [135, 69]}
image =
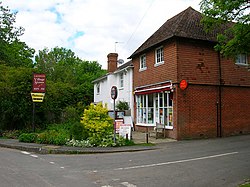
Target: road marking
{"type": "Point", "coordinates": [25, 152]}
{"type": "Point", "coordinates": [177, 161]}
{"type": "Point", "coordinates": [52, 162]}
{"type": "Point", "coordinates": [128, 184]}
{"type": "Point", "coordinates": [34, 156]}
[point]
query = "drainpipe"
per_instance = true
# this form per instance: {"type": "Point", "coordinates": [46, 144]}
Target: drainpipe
{"type": "Point", "coordinates": [219, 116]}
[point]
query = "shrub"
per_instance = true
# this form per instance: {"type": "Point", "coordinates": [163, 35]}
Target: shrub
{"type": "Point", "coordinates": [52, 137]}
{"type": "Point", "coordinates": [122, 105]}
{"type": "Point", "coordinates": [12, 134]}
{"type": "Point", "coordinates": [97, 122]}
{"type": "Point", "coordinates": [28, 137]}
{"type": "Point", "coordinates": [78, 132]}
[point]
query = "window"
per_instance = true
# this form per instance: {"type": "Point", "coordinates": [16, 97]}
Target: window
{"type": "Point", "coordinates": [121, 80]}
{"type": "Point", "coordinates": [241, 59]}
{"type": "Point", "coordinates": [157, 107]}
{"type": "Point", "coordinates": [143, 62]}
{"type": "Point", "coordinates": [159, 56]}
{"type": "Point", "coordinates": [98, 88]}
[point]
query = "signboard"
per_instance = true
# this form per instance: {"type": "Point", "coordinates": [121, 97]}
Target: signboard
{"type": "Point", "coordinates": [37, 97]}
{"type": "Point", "coordinates": [39, 83]}
{"type": "Point", "coordinates": [125, 131]}
{"type": "Point", "coordinates": [118, 123]}
{"type": "Point", "coordinates": [114, 92]}
{"type": "Point", "coordinates": [183, 84]}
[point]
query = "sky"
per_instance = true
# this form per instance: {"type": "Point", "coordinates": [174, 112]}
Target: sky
{"type": "Point", "coordinates": [93, 28]}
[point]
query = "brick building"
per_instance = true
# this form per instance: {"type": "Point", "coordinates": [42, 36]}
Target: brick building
{"type": "Point", "coordinates": [217, 98]}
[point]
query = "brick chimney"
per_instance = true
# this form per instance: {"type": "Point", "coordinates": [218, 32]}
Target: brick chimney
{"type": "Point", "coordinates": [112, 62]}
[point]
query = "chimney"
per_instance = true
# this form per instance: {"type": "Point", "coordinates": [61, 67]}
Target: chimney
{"type": "Point", "coordinates": [112, 62]}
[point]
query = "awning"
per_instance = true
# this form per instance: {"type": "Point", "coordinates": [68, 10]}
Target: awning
{"type": "Point", "coordinates": [153, 90]}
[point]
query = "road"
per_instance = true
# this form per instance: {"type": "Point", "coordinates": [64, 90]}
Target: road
{"type": "Point", "coordinates": [213, 162]}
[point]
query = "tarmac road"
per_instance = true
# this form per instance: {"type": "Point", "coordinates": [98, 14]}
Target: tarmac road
{"type": "Point", "coordinates": [213, 162]}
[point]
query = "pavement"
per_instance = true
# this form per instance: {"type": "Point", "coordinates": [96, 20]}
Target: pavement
{"type": "Point", "coordinates": [141, 139]}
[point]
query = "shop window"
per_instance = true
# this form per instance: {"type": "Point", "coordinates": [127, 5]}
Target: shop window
{"type": "Point", "coordinates": [157, 107]}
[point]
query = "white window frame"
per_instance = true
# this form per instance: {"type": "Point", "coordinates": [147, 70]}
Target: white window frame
{"type": "Point", "coordinates": [121, 80]}
{"type": "Point", "coordinates": [159, 56]}
{"type": "Point", "coordinates": [143, 65]}
{"type": "Point", "coordinates": [142, 110]}
{"type": "Point", "coordinates": [98, 89]}
{"type": "Point", "coordinates": [241, 59]}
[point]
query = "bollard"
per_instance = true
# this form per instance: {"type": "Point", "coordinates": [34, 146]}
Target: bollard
{"type": "Point", "coordinates": [147, 138]}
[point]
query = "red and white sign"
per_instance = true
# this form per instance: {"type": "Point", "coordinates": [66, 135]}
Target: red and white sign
{"type": "Point", "coordinates": [39, 83]}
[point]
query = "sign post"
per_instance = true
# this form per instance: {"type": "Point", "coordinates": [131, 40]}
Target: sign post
{"type": "Point", "coordinates": [38, 92]}
{"type": "Point", "coordinates": [114, 93]}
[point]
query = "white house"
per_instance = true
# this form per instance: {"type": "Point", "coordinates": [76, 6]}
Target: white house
{"type": "Point", "coordinates": [119, 75]}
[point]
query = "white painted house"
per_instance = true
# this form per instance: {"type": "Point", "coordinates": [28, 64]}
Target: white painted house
{"type": "Point", "coordinates": [119, 75]}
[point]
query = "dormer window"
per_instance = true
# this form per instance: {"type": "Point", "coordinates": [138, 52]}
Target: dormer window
{"type": "Point", "coordinates": [241, 59]}
{"type": "Point", "coordinates": [159, 56]}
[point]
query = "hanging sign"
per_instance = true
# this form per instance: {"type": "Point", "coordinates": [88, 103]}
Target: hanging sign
{"type": "Point", "coordinates": [183, 84]}
{"type": "Point", "coordinates": [39, 83]}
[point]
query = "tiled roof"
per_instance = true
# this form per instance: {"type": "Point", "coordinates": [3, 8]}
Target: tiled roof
{"type": "Point", "coordinates": [186, 24]}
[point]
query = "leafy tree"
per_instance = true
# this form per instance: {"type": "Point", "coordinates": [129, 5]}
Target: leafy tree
{"type": "Point", "coordinates": [13, 52]}
{"type": "Point", "coordinates": [69, 81]}
{"type": "Point", "coordinates": [15, 102]}
{"type": "Point", "coordinates": [235, 17]}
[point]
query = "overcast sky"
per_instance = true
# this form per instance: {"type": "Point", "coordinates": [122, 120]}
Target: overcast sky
{"type": "Point", "coordinates": [93, 28]}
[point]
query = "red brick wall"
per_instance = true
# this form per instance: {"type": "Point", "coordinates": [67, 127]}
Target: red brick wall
{"type": "Point", "coordinates": [164, 72]}
{"type": "Point", "coordinates": [236, 75]}
{"type": "Point", "coordinates": [197, 63]}
{"type": "Point", "coordinates": [235, 110]}
{"type": "Point", "coordinates": [196, 112]}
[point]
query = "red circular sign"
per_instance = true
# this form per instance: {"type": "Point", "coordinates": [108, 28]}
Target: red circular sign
{"type": "Point", "coordinates": [114, 92]}
{"type": "Point", "coordinates": [183, 84]}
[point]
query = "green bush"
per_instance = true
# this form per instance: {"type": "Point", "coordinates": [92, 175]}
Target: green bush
{"type": "Point", "coordinates": [11, 134]}
{"type": "Point", "coordinates": [78, 132]}
{"type": "Point", "coordinates": [52, 137]}
{"type": "Point", "coordinates": [97, 122]}
{"type": "Point", "coordinates": [122, 105]}
{"type": "Point", "coordinates": [28, 137]}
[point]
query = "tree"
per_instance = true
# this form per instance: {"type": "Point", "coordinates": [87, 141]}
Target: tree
{"type": "Point", "coordinates": [232, 15]}
{"type": "Point", "coordinates": [69, 81]}
{"type": "Point", "coordinates": [13, 52]}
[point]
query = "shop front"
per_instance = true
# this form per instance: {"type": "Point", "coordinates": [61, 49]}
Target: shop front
{"type": "Point", "coordinates": [154, 105]}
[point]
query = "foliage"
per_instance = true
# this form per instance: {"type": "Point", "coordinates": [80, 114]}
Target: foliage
{"type": "Point", "coordinates": [11, 134]}
{"type": "Point", "coordinates": [107, 141]}
{"type": "Point", "coordinates": [78, 131]}
{"type": "Point", "coordinates": [122, 105]}
{"type": "Point", "coordinates": [97, 122]}
{"type": "Point", "coordinates": [69, 83]}
{"type": "Point", "coordinates": [222, 14]}
{"type": "Point", "coordinates": [52, 137]}
{"type": "Point", "coordinates": [28, 137]}
{"type": "Point", "coordinates": [15, 103]}
{"type": "Point", "coordinates": [69, 87]}
{"type": "Point", "coordinates": [13, 52]}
